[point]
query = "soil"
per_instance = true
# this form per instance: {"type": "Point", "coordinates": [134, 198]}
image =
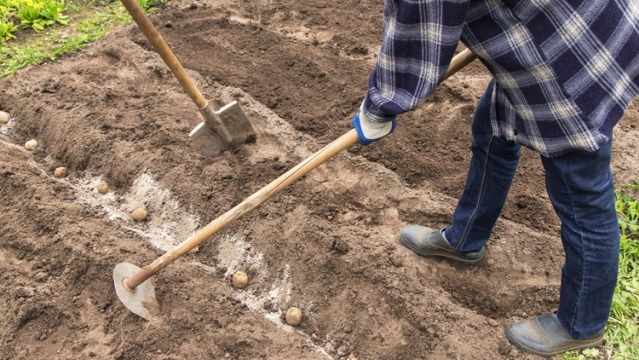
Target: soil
{"type": "Point", "coordinates": [327, 244]}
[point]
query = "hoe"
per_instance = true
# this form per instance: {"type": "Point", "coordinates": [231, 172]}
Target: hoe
{"type": "Point", "coordinates": [132, 284]}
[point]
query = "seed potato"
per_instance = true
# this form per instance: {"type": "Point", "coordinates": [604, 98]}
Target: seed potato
{"type": "Point", "coordinates": [4, 117]}
{"type": "Point", "coordinates": [240, 280]}
{"type": "Point", "coordinates": [31, 144]}
{"type": "Point", "coordinates": [293, 316]}
{"type": "Point", "coordinates": [60, 172]}
{"type": "Point", "coordinates": [140, 213]}
{"type": "Point", "coordinates": [102, 187]}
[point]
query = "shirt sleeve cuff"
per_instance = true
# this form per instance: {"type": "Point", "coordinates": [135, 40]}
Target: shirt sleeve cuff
{"type": "Point", "coordinates": [373, 113]}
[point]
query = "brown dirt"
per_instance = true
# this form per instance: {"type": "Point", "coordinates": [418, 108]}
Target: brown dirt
{"type": "Point", "coordinates": [327, 244]}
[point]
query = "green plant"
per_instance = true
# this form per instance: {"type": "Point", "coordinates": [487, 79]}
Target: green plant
{"type": "Point", "coordinates": [7, 7]}
{"type": "Point", "coordinates": [147, 4]}
{"type": "Point", "coordinates": [52, 11]}
{"type": "Point", "coordinates": [38, 14]}
{"type": "Point", "coordinates": [29, 14]}
{"type": "Point", "coordinates": [144, 4]}
{"type": "Point", "coordinates": [7, 28]}
{"type": "Point", "coordinates": [628, 208]}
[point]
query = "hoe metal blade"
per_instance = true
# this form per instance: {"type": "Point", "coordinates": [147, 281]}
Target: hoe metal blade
{"type": "Point", "coordinates": [141, 300]}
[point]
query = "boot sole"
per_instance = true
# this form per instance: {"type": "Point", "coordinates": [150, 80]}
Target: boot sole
{"type": "Point", "coordinates": [441, 254]}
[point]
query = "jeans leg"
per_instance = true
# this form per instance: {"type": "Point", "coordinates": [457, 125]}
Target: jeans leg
{"type": "Point", "coordinates": [580, 186]}
{"type": "Point", "coordinates": [492, 168]}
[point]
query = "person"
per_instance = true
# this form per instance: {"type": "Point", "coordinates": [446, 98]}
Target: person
{"type": "Point", "coordinates": [564, 71]}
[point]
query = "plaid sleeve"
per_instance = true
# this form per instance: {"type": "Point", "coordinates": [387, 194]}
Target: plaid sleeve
{"type": "Point", "coordinates": [418, 41]}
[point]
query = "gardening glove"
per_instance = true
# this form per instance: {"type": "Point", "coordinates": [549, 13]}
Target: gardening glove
{"type": "Point", "coordinates": [369, 131]}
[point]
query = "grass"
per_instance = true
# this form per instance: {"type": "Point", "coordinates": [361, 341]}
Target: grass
{"type": "Point", "coordinates": [28, 45]}
{"type": "Point", "coordinates": [622, 332]}
{"type": "Point", "coordinates": [58, 41]}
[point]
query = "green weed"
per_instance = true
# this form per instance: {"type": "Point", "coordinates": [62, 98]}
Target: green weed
{"type": "Point", "coordinates": [38, 14]}
{"type": "Point", "coordinates": [14, 58]}
{"type": "Point", "coordinates": [52, 11]}
{"type": "Point", "coordinates": [7, 7]}
{"type": "Point", "coordinates": [7, 28]}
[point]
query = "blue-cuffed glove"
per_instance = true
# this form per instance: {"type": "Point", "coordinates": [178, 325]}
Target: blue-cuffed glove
{"type": "Point", "coordinates": [369, 131]}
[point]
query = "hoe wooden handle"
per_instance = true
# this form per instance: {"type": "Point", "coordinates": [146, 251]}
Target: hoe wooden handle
{"type": "Point", "coordinates": [460, 60]}
{"type": "Point", "coordinates": [165, 52]}
{"type": "Point", "coordinates": [343, 142]}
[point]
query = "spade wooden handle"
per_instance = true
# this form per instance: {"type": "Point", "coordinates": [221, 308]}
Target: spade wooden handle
{"type": "Point", "coordinates": [165, 52]}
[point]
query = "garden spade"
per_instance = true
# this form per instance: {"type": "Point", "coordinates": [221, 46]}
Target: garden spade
{"type": "Point", "coordinates": [220, 129]}
{"type": "Point", "coordinates": [132, 284]}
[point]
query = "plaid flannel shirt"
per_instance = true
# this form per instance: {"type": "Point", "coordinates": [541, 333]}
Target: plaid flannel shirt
{"type": "Point", "coordinates": [565, 70]}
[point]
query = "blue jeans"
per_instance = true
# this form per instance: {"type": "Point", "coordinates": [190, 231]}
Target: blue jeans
{"type": "Point", "coordinates": [580, 187]}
